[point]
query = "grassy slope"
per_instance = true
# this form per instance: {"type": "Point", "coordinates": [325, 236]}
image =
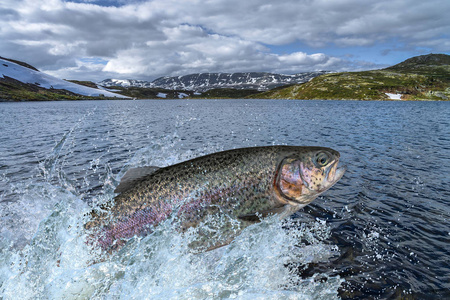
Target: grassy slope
{"type": "Point", "coordinates": [147, 93]}
{"type": "Point", "coordinates": [14, 90]}
{"type": "Point", "coordinates": [151, 93]}
{"type": "Point", "coordinates": [226, 93]}
{"type": "Point", "coordinates": [419, 78]}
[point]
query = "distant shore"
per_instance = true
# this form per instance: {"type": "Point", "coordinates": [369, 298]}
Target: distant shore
{"type": "Point", "coordinates": [189, 99]}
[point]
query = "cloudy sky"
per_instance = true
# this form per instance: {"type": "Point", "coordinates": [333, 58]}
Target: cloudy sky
{"type": "Point", "coordinates": [99, 39]}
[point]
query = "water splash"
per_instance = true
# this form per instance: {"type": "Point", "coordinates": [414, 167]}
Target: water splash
{"type": "Point", "coordinates": [44, 252]}
{"type": "Point", "coordinates": [52, 168]}
{"type": "Point", "coordinates": [58, 264]}
{"type": "Point", "coordinates": [260, 263]}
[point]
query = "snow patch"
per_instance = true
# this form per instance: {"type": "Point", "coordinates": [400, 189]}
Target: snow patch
{"type": "Point", "coordinates": [394, 96]}
{"type": "Point", "coordinates": [121, 82]}
{"type": "Point", "coordinates": [26, 75]}
{"type": "Point", "coordinates": [161, 95]}
{"type": "Point", "coordinates": [182, 95]}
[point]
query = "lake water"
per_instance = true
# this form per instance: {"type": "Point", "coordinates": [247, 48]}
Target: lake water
{"type": "Point", "coordinates": [382, 231]}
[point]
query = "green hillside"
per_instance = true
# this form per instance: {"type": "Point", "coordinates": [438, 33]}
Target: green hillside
{"type": "Point", "coordinates": [424, 77]}
{"type": "Point", "coordinates": [226, 93]}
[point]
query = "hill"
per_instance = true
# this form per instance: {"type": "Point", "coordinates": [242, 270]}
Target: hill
{"type": "Point", "coordinates": [151, 93]}
{"type": "Point", "coordinates": [434, 65]}
{"type": "Point", "coordinates": [224, 93]}
{"type": "Point", "coordinates": [20, 81]}
{"type": "Point", "coordinates": [425, 77]}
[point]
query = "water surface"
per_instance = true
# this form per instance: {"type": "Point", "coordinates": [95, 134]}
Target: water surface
{"type": "Point", "coordinates": [381, 232]}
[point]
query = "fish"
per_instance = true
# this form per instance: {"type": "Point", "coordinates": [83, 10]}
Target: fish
{"type": "Point", "coordinates": [239, 187]}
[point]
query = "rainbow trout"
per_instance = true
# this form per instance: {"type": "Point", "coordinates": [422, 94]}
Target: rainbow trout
{"type": "Point", "coordinates": [237, 186]}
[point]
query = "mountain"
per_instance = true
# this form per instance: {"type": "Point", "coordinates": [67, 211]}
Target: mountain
{"type": "Point", "coordinates": [20, 81]}
{"type": "Point", "coordinates": [425, 77]}
{"type": "Point", "coordinates": [202, 82]}
{"type": "Point", "coordinates": [126, 83]}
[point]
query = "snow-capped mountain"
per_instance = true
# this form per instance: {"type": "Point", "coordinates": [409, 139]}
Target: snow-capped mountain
{"type": "Point", "coordinates": [205, 81]}
{"type": "Point", "coordinates": [29, 75]}
{"type": "Point", "coordinates": [126, 83]}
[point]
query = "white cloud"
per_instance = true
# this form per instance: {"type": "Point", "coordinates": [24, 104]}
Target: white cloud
{"type": "Point", "coordinates": [146, 39]}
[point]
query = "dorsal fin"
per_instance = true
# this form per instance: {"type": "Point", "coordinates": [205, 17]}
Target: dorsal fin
{"type": "Point", "coordinates": [132, 176]}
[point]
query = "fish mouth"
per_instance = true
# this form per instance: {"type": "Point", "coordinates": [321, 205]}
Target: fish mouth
{"type": "Point", "coordinates": [337, 176]}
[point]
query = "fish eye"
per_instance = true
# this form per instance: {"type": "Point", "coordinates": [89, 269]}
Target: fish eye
{"type": "Point", "coordinates": [322, 159]}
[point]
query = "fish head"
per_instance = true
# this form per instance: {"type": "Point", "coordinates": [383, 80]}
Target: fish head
{"type": "Point", "coordinates": [304, 175]}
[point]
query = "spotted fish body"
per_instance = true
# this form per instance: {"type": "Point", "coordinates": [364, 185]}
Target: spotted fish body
{"type": "Point", "coordinates": [241, 185]}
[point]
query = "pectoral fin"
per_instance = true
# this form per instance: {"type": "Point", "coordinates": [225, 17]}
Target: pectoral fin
{"type": "Point", "coordinates": [132, 176]}
{"type": "Point", "coordinates": [257, 216]}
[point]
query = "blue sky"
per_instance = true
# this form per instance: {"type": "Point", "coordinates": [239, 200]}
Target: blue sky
{"type": "Point", "coordinates": [95, 40]}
